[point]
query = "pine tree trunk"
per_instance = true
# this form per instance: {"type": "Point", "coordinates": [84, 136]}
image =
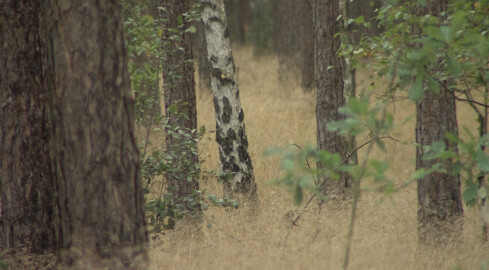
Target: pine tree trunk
{"type": "Point", "coordinates": [180, 103]}
{"type": "Point", "coordinates": [99, 213]}
{"type": "Point", "coordinates": [26, 188]}
{"type": "Point", "coordinates": [330, 89]}
{"type": "Point", "coordinates": [230, 128]}
{"type": "Point", "coordinates": [439, 200]}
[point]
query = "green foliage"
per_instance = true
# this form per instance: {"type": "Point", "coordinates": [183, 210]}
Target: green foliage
{"type": "Point", "coordinates": [416, 54]}
{"type": "Point", "coordinates": [145, 43]}
{"type": "Point", "coordinates": [427, 53]}
{"type": "Point", "coordinates": [360, 117]}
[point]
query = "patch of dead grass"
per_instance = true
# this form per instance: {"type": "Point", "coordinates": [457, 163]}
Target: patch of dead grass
{"type": "Point", "coordinates": [278, 113]}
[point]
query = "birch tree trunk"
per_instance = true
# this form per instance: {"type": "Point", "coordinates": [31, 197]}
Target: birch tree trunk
{"type": "Point", "coordinates": [235, 160]}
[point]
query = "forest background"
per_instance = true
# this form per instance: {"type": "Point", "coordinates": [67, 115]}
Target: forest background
{"type": "Point", "coordinates": [394, 62]}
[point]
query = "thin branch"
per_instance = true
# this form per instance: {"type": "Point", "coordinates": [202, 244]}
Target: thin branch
{"type": "Point", "coordinates": [348, 155]}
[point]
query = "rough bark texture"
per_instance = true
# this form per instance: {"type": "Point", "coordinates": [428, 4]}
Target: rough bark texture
{"type": "Point", "coordinates": [99, 207]}
{"type": "Point", "coordinates": [180, 104]}
{"type": "Point", "coordinates": [25, 171]}
{"type": "Point", "coordinates": [330, 88]}
{"type": "Point", "coordinates": [230, 127]}
{"type": "Point", "coordinates": [439, 200]}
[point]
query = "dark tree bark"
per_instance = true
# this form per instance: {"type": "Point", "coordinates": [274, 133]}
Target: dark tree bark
{"type": "Point", "coordinates": [180, 104]}
{"type": "Point", "coordinates": [439, 200]}
{"type": "Point", "coordinates": [286, 33]}
{"type": "Point", "coordinates": [230, 128]}
{"type": "Point", "coordinates": [26, 189]}
{"type": "Point", "coordinates": [238, 13]}
{"type": "Point", "coordinates": [306, 58]}
{"type": "Point", "coordinates": [330, 89]}
{"type": "Point", "coordinates": [293, 39]}
{"type": "Point", "coordinates": [200, 52]}
{"type": "Point", "coordinates": [99, 213]}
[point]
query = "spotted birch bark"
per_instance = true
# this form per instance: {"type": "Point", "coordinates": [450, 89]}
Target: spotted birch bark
{"type": "Point", "coordinates": [235, 160]}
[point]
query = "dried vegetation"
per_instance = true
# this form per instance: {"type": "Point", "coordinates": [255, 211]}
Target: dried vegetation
{"type": "Point", "coordinates": [278, 113]}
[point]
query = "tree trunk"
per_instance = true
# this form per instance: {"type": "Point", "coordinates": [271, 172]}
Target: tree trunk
{"type": "Point", "coordinates": [238, 13]}
{"type": "Point", "coordinates": [439, 200]}
{"type": "Point", "coordinates": [287, 35]}
{"type": "Point", "coordinates": [330, 89]}
{"type": "Point", "coordinates": [230, 128]}
{"type": "Point", "coordinates": [180, 104]}
{"type": "Point", "coordinates": [26, 188]}
{"type": "Point", "coordinates": [99, 213]}
{"type": "Point", "coordinates": [293, 39]}
{"type": "Point", "coordinates": [306, 58]}
{"type": "Point", "coordinates": [200, 52]}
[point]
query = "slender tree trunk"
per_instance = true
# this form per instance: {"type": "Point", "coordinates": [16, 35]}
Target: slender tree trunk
{"type": "Point", "coordinates": [238, 13]}
{"type": "Point", "coordinates": [26, 188]}
{"type": "Point", "coordinates": [439, 200]}
{"type": "Point", "coordinates": [330, 88]}
{"type": "Point", "coordinates": [293, 39]}
{"type": "Point", "coordinates": [200, 52]}
{"type": "Point", "coordinates": [287, 34]}
{"type": "Point", "coordinates": [230, 128]}
{"type": "Point", "coordinates": [99, 213]}
{"type": "Point", "coordinates": [180, 104]}
{"type": "Point", "coordinates": [306, 58]}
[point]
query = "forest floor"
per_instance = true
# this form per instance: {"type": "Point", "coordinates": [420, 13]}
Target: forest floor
{"type": "Point", "coordinates": [279, 113]}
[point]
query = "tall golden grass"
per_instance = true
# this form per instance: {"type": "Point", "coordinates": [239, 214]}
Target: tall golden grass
{"type": "Point", "coordinates": [278, 113]}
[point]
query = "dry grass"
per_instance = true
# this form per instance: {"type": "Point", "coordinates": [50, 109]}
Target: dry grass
{"type": "Point", "coordinates": [279, 113]}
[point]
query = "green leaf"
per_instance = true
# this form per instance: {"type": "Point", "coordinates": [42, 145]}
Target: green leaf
{"type": "Point", "coordinates": [452, 137]}
{"type": "Point", "coordinates": [380, 144]}
{"type": "Point", "coordinates": [416, 91]}
{"type": "Point", "coordinates": [457, 168]}
{"type": "Point", "coordinates": [422, 3]}
{"type": "Point", "coordinates": [192, 29]}
{"type": "Point", "coordinates": [298, 195]}
{"type": "Point", "coordinates": [287, 164]}
{"type": "Point", "coordinates": [420, 174]}
{"type": "Point", "coordinates": [433, 85]}
{"type": "Point", "coordinates": [456, 22]}
{"type": "Point", "coordinates": [358, 107]}
{"type": "Point", "coordinates": [453, 66]}
{"type": "Point", "coordinates": [482, 161]}
{"type": "Point", "coordinates": [470, 193]}
{"type": "Point", "coordinates": [435, 33]}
